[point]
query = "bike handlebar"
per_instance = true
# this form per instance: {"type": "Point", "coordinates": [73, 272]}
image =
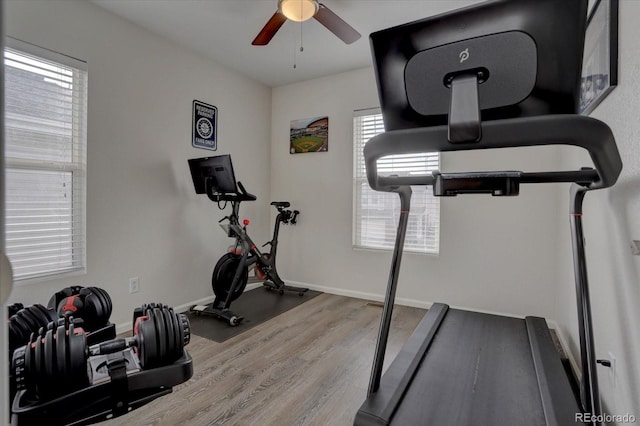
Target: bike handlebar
{"type": "Point", "coordinates": [288, 216]}
{"type": "Point", "coordinates": [243, 195]}
{"type": "Point", "coordinates": [294, 217]}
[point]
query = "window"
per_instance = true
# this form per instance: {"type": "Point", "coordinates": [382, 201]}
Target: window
{"type": "Point", "coordinates": [45, 159]}
{"type": "Point", "coordinates": [376, 214]}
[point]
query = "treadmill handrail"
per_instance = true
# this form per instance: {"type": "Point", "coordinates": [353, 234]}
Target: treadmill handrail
{"type": "Point", "coordinates": [567, 129]}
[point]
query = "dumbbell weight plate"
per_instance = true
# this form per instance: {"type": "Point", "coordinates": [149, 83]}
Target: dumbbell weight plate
{"type": "Point", "coordinates": [146, 341]}
{"type": "Point", "coordinates": [177, 324]}
{"type": "Point", "coordinates": [29, 363]}
{"type": "Point", "coordinates": [171, 334]}
{"type": "Point", "coordinates": [28, 320]}
{"type": "Point", "coordinates": [161, 336]}
{"type": "Point", "coordinates": [91, 312]}
{"type": "Point", "coordinates": [61, 350]}
{"type": "Point", "coordinates": [184, 329]}
{"type": "Point", "coordinates": [106, 302]}
{"type": "Point", "coordinates": [175, 340]}
{"type": "Point", "coordinates": [38, 353]}
{"type": "Point", "coordinates": [50, 366]}
{"type": "Point", "coordinates": [178, 332]}
{"type": "Point", "coordinates": [77, 351]}
{"type": "Point", "coordinates": [42, 315]}
{"type": "Point", "coordinates": [19, 332]}
{"type": "Point", "coordinates": [103, 305]}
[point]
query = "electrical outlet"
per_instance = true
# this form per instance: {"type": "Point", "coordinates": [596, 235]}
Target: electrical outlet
{"type": "Point", "coordinates": [134, 285]}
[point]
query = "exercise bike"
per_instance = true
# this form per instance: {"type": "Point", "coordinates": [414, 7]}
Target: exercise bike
{"type": "Point", "coordinates": [215, 177]}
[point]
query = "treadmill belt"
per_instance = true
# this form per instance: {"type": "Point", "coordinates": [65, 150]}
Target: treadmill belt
{"type": "Point", "coordinates": [478, 369]}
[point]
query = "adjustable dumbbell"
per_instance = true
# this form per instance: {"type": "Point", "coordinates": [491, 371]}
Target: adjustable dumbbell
{"type": "Point", "coordinates": [92, 304]}
{"type": "Point", "coordinates": [159, 336]}
{"type": "Point", "coordinates": [25, 321]}
{"type": "Point", "coordinates": [55, 360]}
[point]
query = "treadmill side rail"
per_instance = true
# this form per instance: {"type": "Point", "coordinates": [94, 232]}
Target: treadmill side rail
{"type": "Point", "coordinates": [380, 406]}
{"type": "Point", "coordinates": [558, 401]}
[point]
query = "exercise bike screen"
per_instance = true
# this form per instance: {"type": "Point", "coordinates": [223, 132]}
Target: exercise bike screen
{"type": "Point", "coordinates": [219, 168]}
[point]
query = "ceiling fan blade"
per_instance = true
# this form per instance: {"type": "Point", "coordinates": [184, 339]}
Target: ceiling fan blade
{"type": "Point", "coordinates": [270, 29]}
{"type": "Point", "coordinates": [336, 25]}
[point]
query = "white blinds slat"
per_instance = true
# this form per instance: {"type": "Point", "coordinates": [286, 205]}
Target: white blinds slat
{"type": "Point", "coordinates": [376, 214]}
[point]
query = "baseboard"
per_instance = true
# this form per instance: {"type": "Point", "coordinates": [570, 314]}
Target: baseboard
{"type": "Point", "coordinates": [399, 300]}
{"type": "Point", "coordinates": [127, 327]}
{"type": "Point", "coordinates": [360, 294]}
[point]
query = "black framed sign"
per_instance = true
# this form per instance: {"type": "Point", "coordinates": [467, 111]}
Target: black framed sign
{"type": "Point", "coordinates": [205, 126]}
{"type": "Point", "coordinates": [600, 60]}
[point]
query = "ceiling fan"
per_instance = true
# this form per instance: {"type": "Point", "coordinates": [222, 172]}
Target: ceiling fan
{"type": "Point", "coordinates": [302, 10]}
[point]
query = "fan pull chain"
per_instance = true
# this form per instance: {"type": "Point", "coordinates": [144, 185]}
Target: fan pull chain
{"type": "Point", "coordinates": [301, 10]}
{"type": "Point", "coordinates": [294, 52]}
{"type": "Point", "coordinates": [295, 47]}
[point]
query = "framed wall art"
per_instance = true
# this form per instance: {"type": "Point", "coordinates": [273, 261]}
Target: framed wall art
{"type": "Point", "coordinates": [600, 60]}
{"type": "Point", "coordinates": [309, 135]}
{"type": "Point", "coordinates": [204, 126]}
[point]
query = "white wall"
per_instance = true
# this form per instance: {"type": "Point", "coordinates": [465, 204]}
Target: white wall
{"type": "Point", "coordinates": [611, 222]}
{"type": "Point", "coordinates": [143, 216]}
{"type": "Point", "coordinates": [496, 254]}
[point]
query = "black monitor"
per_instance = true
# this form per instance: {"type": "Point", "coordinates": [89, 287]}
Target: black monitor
{"type": "Point", "coordinates": [219, 168]}
{"type": "Point", "coordinates": [526, 54]}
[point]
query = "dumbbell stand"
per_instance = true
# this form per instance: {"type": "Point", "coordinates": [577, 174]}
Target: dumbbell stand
{"type": "Point", "coordinates": [105, 400]}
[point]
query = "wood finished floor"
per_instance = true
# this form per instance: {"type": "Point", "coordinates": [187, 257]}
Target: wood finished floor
{"type": "Point", "coordinates": [308, 366]}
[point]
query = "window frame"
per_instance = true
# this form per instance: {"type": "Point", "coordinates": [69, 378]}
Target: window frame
{"type": "Point", "coordinates": [421, 222]}
{"type": "Point", "coordinates": [76, 166]}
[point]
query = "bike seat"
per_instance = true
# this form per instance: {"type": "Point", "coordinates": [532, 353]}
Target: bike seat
{"type": "Point", "coordinates": [284, 204]}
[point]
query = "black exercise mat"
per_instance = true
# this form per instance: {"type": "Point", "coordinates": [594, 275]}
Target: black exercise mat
{"type": "Point", "coordinates": [256, 306]}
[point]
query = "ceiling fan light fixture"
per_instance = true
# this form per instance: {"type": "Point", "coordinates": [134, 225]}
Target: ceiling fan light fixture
{"type": "Point", "coordinates": [298, 10]}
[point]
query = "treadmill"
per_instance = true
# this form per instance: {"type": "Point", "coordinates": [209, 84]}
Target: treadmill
{"type": "Point", "coordinates": [498, 74]}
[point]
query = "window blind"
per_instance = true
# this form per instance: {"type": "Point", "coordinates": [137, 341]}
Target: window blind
{"type": "Point", "coordinates": [45, 158]}
{"type": "Point", "coordinates": [376, 214]}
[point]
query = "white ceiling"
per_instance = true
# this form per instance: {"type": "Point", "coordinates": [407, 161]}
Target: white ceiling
{"type": "Point", "coordinates": [223, 30]}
